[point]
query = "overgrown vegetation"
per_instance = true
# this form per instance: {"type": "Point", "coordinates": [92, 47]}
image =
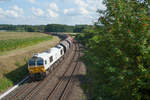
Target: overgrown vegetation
{"type": "Point", "coordinates": [118, 52]}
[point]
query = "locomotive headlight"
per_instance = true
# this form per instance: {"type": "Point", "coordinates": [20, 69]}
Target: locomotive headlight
{"type": "Point", "coordinates": [30, 71]}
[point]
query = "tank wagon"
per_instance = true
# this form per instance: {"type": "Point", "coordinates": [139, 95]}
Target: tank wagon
{"type": "Point", "coordinates": [40, 63]}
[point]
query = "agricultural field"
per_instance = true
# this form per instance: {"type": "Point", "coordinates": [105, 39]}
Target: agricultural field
{"type": "Point", "coordinates": [15, 50]}
{"type": "Point", "coordinates": [19, 35]}
{"type": "Point", "coordinates": [14, 40]}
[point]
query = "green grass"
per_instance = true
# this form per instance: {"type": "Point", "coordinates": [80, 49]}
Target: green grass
{"type": "Point", "coordinates": [5, 83]}
{"type": "Point", "coordinates": [20, 35]}
{"type": "Point", "coordinates": [13, 77]}
{"type": "Point", "coordinates": [10, 44]}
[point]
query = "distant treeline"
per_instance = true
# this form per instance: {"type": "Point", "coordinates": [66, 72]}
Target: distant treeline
{"type": "Point", "coordinates": [44, 28]}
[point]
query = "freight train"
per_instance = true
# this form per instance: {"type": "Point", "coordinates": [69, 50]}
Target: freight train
{"type": "Point", "coordinates": [43, 62]}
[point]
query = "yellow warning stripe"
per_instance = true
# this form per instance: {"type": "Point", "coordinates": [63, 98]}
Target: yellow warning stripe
{"type": "Point", "coordinates": [37, 69]}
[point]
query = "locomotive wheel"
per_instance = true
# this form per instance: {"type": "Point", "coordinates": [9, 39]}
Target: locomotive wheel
{"type": "Point", "coordinates": [32, 77]}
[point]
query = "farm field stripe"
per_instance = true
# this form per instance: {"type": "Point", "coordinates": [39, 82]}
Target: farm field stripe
{"type": "Point", "coordinates": [13, 88]}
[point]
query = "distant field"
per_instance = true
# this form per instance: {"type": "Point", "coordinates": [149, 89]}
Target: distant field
{"type": "Point", "coordinates": [13, 40]}
{"type": "Point", "coordinates": [19, 35]}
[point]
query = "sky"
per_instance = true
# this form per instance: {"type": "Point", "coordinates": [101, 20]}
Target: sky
{"type": "Point", "coordinates": [42, 12]}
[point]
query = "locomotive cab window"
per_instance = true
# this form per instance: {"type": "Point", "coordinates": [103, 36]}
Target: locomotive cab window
{"type": "Point", "coordinates": [61, 52]}
{"type": "Point", "coordinates": [51, 58]}
{"type": "Point", "coordinates": [31, 62]}
{"type": "Point", "coordinates": [45, 62]}
{"type": "Point", "coordinates": [40, 62]}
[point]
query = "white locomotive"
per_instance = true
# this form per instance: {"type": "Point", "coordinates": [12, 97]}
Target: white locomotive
{"type": "Point", "coordinates": [42, 62]}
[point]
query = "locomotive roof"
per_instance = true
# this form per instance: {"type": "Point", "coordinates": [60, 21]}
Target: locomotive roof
{"type": "Point", "coordinates": [48, 53]}
{"type": "Point", "coordinates": [63, 42]}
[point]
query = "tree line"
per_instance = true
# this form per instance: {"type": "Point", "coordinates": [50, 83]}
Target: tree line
{"type": "Point", "coordinates": [44, 28]}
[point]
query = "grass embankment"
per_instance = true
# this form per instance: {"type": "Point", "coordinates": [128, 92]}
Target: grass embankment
{"type": "Point", "coordinates": [15, 50]}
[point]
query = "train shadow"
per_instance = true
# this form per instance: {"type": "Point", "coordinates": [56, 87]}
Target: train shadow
{"type": "Point", "coordinates": [18, 74]}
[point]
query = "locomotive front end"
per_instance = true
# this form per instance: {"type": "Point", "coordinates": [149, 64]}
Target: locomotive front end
{"type": "Point", "coordinates": [36, 67]}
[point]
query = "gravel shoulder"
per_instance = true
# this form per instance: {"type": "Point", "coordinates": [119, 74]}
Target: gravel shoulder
{"type": "Point", "coordinates": [77, 92]}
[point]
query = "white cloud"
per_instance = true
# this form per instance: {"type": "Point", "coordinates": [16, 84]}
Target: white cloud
{"type": "Point", "coordinates": [37, 11]}
{"type": "Point", "coordinates": [32, 1]}
{"type": "Point", "coordinates": [81, 3]}
{"type": "Point", "coordinates": [53, 6]}
{"type": "Point", "coordinates": [66, 11]}
{"type": "Point", "coordinates": [52, 13]}
{"type": "Point", "coordinates": [96, 4]}
{"type": "Point", "coordinates": [76, 12]}
{"type": "Point", "coordinates": [17, 9]}
{"type": "Point", "coordinates": [1, 10]}
{"type": "Point", "coordinates": [11, 13]}
{"type": "Point", "coordinates": [1, 13]}
{"type": "Point", "coordinates": [87, 8]}
{"type": "Point", "coordinates": [69, 10]}
{"type": "Point", "coordinates": [90, 5]}
{"type": "Point", "coordinates": [84, 11]}
{"type": "Point", "coordinates": [14, 12]}
{"type": "Point", "coordinates": [52, 10]}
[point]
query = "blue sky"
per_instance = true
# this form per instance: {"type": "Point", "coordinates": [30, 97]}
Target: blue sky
{"type": "Point", "coordinates": [36, 12]}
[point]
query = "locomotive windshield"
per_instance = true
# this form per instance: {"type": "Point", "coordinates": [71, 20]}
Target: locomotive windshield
{"type": "Point", "coordinates": [31, 62]}
{"type": "Point", "coordinates": [40, 62]}
{"type": "Point", "coordinates": [36, 61]}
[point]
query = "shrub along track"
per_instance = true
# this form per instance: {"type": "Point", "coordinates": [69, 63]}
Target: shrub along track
{"type": "Point", "coordinates": [46, 88]}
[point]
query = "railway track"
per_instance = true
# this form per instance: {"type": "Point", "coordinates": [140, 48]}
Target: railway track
{"type": "Point", "coordinates": [29, 91]}
{"type": "Point", "coordinates": [63, 87]}
{"type": "Point", "coordinates": [31, 95]}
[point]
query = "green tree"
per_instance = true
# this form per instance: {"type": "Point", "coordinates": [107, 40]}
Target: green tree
{"type": "Point", "coordinates": [29, 29]}
{"type": "Point", "coordinates": [120, 53]}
